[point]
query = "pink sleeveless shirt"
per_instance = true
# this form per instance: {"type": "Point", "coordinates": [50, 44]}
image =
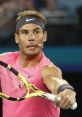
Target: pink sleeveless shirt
{"type": "Point", "coordinates": [35, 106]}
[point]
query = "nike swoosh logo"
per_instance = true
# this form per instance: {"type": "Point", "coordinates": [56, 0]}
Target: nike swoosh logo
{"type": "Point", "coordinates": [27, 20]}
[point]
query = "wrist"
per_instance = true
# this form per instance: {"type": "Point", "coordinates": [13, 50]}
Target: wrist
{"type": "Point", "coordinates": [64, 87]}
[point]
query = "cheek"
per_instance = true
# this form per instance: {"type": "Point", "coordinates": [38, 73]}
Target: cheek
{"type": "Point", "coordinates": [22, 41]}
{"type": "Point", "coordinates": [41, 39]}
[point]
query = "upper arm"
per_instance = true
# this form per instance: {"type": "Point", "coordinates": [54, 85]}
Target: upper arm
{"type": "Point", "coordinates": [51, 71]}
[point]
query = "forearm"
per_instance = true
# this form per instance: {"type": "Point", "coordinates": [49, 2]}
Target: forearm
{"type": "Point", "coordinates": [54, 83]}
{"type": "Point", "coordinates": [52, 78]}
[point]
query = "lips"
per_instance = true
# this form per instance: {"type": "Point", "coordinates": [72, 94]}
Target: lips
{"type": "Point", "coordinates": [29, 46]}
{"type": "Point", "coordinates": [32, 46]}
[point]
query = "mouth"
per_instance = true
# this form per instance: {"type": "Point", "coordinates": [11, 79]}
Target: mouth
{"type": "Point", "coordinates": [32, 47]}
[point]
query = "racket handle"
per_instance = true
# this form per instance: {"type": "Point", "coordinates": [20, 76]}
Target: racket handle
{"type": "Point", "coordinates": [74, 106]}
{"type": "Point", "coordinates": [52, 97]}
{"type": "Point", "coordinates": [56, 98]}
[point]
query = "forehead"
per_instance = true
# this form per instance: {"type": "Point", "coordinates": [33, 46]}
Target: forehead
{"type": "Point", "coordinates": [30, 26]}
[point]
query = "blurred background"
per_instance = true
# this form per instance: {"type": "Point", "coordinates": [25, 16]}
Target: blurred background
{"type": "Point", "coordinates": [64, 45]}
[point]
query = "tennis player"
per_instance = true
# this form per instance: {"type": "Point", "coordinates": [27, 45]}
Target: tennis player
{"type": "Point", "coordinates": [31, 61]}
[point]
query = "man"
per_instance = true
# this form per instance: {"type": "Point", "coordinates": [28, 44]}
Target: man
{"type": "Point", "coordinates": [39, 70]}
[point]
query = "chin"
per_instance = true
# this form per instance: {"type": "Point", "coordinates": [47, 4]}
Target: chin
{"type": "Point", "coordinates": [33, 53]}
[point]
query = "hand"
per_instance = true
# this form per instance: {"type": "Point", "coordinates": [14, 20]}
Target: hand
{"type": "Point", "coordinates": [67, 99]}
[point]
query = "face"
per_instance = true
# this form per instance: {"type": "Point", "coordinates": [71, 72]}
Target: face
{"type": "Point", "coordinates": [30, 39]}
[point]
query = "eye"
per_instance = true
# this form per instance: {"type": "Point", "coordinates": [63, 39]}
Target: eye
{"type": "Point", "coordinates": [23, 32]}
{"type": "Point", "coordinates": [37, 32]}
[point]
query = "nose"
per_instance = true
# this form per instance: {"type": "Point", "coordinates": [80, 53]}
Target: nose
{"type": "Point", "coordinates": [31, 36]}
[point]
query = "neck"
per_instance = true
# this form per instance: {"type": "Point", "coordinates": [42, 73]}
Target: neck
{"type": "Point", "coordinates": [29, 61]}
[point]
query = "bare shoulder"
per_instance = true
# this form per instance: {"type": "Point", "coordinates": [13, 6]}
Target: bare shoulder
{"type": "Point", "coordinates": [3, 55]}
{"type": "Point", "coordinates": [8, 55]}
{"type": "Point", "coordinates": [51, 70]}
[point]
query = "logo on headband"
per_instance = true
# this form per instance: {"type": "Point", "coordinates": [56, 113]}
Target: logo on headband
{"type": "Point", "coordinates": [28, 20]}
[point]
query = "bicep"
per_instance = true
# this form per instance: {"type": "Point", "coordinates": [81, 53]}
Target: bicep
{"type": "Point", "coordinates": [51, 71]}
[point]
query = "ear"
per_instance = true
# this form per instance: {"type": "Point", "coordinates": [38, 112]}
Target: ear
{"type": "Point", "coordinates": [16, 38]}
{"type": "Point", "coordinates": [45, 36]}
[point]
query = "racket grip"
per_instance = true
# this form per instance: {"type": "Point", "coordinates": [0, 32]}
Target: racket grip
{"type": "Point", "coordinates": [74, 106]}
{"type": "Point", "coordinates": [56, 98]}
{"type": "Point", "coordinates": [52, 97]}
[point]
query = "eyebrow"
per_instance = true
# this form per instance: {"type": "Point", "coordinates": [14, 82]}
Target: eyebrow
{"type": "Point", "coordinates": [28, 30]}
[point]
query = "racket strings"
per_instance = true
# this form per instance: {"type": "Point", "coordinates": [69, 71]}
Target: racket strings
{"type": "Point", "coordinates": [12, 86]}
{"type": "Point", "coordinates": [15, 86]}
{"type": "Point", "coordinates": [19, 85]}
{"type": "Point", "coordinates": [29, 86]}
{"type": "Point", "coordinates": [31, 89]}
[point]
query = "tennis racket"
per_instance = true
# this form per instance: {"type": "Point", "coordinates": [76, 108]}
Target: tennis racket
{"type": "Point", "coordinates": [29, 89]}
